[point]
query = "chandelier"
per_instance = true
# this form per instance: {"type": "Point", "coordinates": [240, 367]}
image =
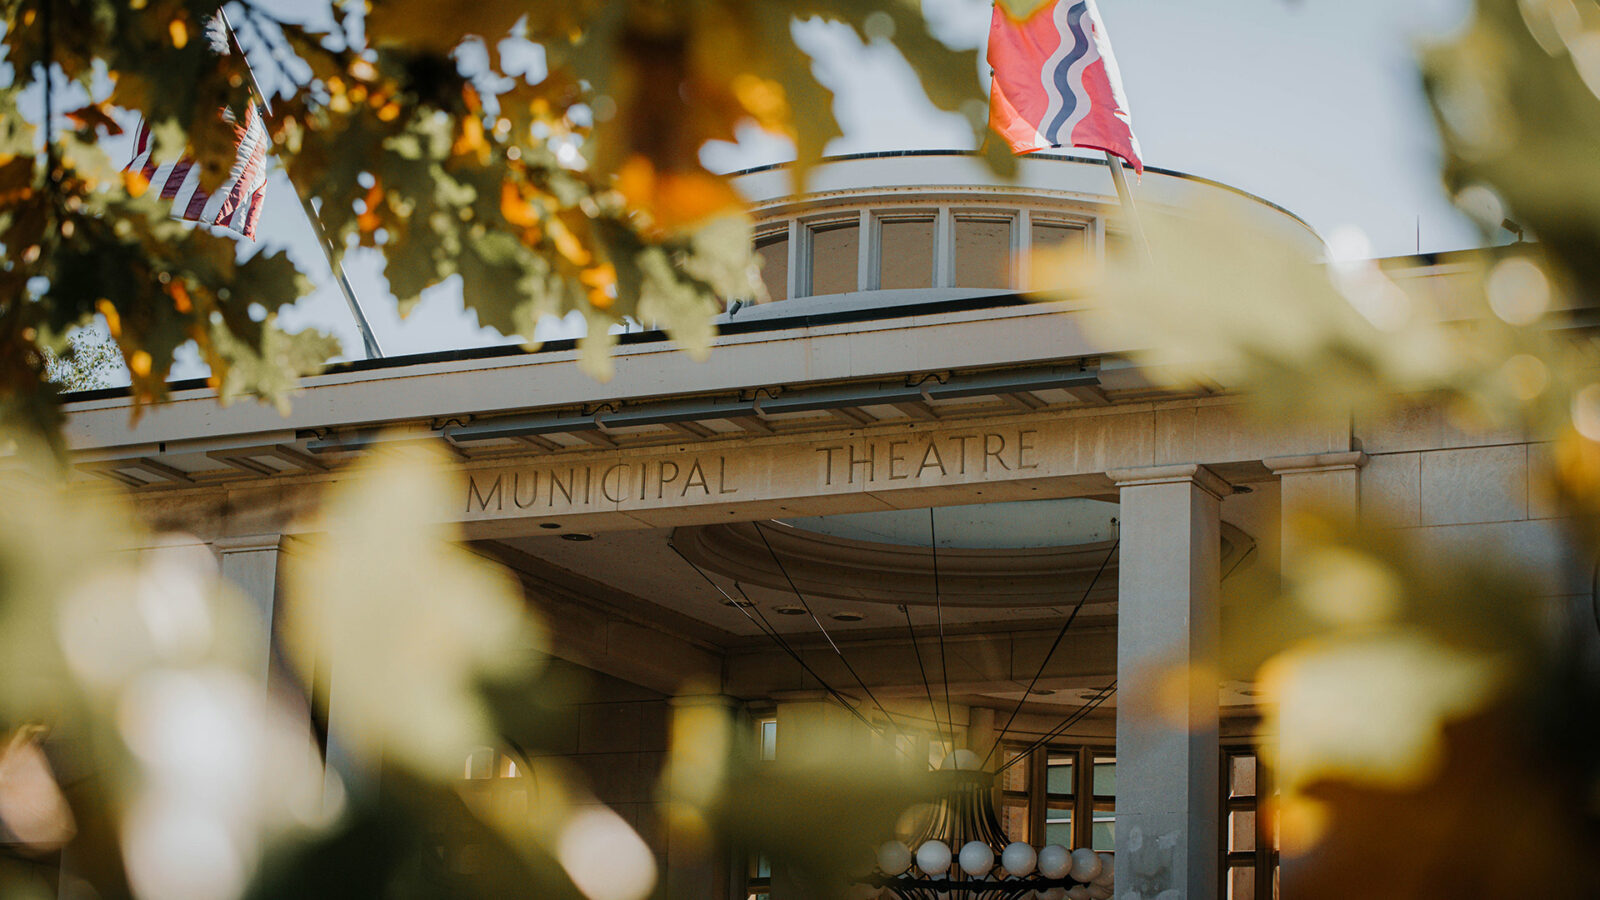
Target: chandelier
{"type": "Point", "coordinates": [962, 853]}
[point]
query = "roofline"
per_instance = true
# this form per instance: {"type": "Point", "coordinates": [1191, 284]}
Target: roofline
{"type": "Point", "coordinates": [1089, 161]}
{"type": "Point", "coordinates": [651, 336]}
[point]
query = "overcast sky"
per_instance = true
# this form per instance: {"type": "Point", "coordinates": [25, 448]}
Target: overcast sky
{"type": "Point", "coordinates": [1312, 104]}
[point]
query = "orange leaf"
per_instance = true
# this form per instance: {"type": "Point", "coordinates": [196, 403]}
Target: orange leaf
{"type": "Point", "coordinates": [135, 182]}
{"type": "Point", "coordinates": [516, 208]}
{"type": "Point", "coordinates": [180, 297]}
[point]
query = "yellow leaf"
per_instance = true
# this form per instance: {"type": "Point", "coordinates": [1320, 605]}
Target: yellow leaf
{"type": "Point", "coordinates": [113, 321]}
{"type": "Point", "coordinates": [135, 183]}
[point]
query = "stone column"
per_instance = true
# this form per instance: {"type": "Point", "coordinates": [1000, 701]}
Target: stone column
{"type": "Point", "coordinates": [251, 563]}
{"type": "Point", "coordinates": [1326, 483]}
{"type": "Point", "coordinates": [694, 865]}
{"type": "Point", "coordinates": [813, 732]}
{"type": "Point", "coordinates": [1168, 770]}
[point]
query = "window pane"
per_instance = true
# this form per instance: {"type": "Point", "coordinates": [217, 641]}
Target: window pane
{"type": "Point", "coordinates": [1059, 776]}
{"type": "Point", "coordinates": [905, 254]}
{"type": "Point", "coordinates": [1053, 244]}
{"type": "Point", "coordinates": [1048, 236]}
{"type": "Point", "coordinates": [1059, 831]}
{"type": "Point", "coordinates": [1105, 776]}
{"type": "Point", "coordinates": [774, 252]}
{"type": "Point", "coordinates": [1242, 831]}
{"type": "Point", "coordinates": [1242, 883]}
{"type": "Point", "coordinates": [1242, 776]}
{"type": "Point", "coordinates": [835, 250]}
{"type": "Point", "coordinates": [769, 739]}
{"type": "Point", "coordinates": [983, 252]}
{"type": "Point", "coordinates": [1014, 819]}
{"type": "Point", "coordinates": [1104, 832]}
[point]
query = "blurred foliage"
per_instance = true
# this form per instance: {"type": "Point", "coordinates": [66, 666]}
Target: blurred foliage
{"type": "Point", "coordinates": [144, 735]}
{"type": "Point", "coordinates": [91, 361]}
{"type": "Point", "coordinates": [1430, 708]}
{"type": "Point", "coordinates": [1431, 715]}
{"type": "Point", "coordinates": [560, 173]}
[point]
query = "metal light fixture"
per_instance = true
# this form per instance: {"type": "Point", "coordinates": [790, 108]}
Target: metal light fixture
{"type": "Point", "coordinates": [962, 852]}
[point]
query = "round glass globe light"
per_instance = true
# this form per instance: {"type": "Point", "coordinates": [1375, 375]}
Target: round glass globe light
{"type": "Point", "coordinates": [976, 858]}
{"type": "Point", "coordinates": [894, 857]}
{"type": "Point", "coordinates": [933, 858]}
{"type": "Point", "coordinates": [1085, 865]}
{"type": "Point", "coordinates": [1108, 869]}
{"type": "Point", "coordinates": [1018, 858]}
{"type": "Point", "coordinates": [1099, 892]}
{"type": "Point", "coordinates": [1078, 892]}
{"type": "Point", "coordinates": [1054, 861]}
{"type": "Point", "coordinates": [963, 760]}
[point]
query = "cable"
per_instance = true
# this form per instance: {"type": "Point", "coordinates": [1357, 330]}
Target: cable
{"type": "Point", "coordinates": [1057, 643]}
{"type": "Point", "coordinates": [938, 611]}
{"type": "Point", "coordinates": [1072, 719]}
{"type": "Point", "coordinates": [926, 686]}
{"type": "Point", "coordinates": [765, 628]}
{"type": "Point", "coordinates": [820, 627]}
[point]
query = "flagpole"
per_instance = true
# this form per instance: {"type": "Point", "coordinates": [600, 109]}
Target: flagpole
{"type": "Point", "coordinates": [369, 341]}
{"type": "Point", "coordinates": [1119, 177]}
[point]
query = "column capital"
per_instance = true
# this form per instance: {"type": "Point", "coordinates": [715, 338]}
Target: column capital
{"type": "Point", "coordinates": [1192, 473]}
{"type": "Point", "coordinates": [1315, 462]}
{"type": "Point", "coordinates": [245, 543]}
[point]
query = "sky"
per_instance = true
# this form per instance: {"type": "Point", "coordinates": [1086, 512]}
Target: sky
{"type": "Point", "coordinates": [1315, 105]}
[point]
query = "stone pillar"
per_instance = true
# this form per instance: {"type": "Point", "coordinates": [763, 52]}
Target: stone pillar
{"type": "Point", "coordinates": [251, 564]}
{"type": "Point", "coordinates": [1326, 483]}
{"type": "Point", "coordinates": [818, 732]}
{"type": "Point", "coordinates": [1168, 770]}
{"type": "Point", "coordinates": [695, 866]}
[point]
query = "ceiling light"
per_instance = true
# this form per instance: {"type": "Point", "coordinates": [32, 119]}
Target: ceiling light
{"type": "Point", "coordinates": [577, 536]}
{"type": "Point", "coordinates": [789, 610]}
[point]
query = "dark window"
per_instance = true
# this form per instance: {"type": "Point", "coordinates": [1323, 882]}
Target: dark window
{"type": "Point", "coordinates": [1249, 832]}
{"type": "Point", "coordinates": [983, 251]}
{"type": "Point", "coordinates": [835, 256]}
{"type": "Point", "coordinates": [1060, 795]}
{"type": "Point", "coordinates": [773, 249]}
{"type": "Point", "coordinates": [905, 252]}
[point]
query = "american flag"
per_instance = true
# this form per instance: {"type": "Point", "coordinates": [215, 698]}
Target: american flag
{"type": "Point", "coordinates": [236, 204]}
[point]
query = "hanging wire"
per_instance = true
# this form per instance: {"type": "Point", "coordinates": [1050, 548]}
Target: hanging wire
{"type": "Point", "coordinates": [821, 628]}
{"type": "Point", "coordinates": [766, 628]}
{"type": "Point", "coordinates": [938, 611]}
{"type": "Point", "coordinates": [1053, 646]}
{"type": "Point", "coordinates": [1073, 718]}
{"type": "Point", "coordinates": [926, 686]}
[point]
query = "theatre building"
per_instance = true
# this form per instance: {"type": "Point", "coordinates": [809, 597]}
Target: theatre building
{"type": "Point", "coordinates": [901, 470]}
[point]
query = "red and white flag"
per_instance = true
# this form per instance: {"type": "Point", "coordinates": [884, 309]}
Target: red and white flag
{"type": "Point", "coordinates": [1056, 83]}
{"type": "Point", "coordinates": [236, 203]}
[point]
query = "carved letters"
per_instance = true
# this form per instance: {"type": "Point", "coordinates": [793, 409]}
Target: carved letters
{"type": "Point", "coordinates": [908, 460]}
{"type": "Point", "coordinates": [928, 458]}
{"type": "Point", "coordinates": [598, 485]}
